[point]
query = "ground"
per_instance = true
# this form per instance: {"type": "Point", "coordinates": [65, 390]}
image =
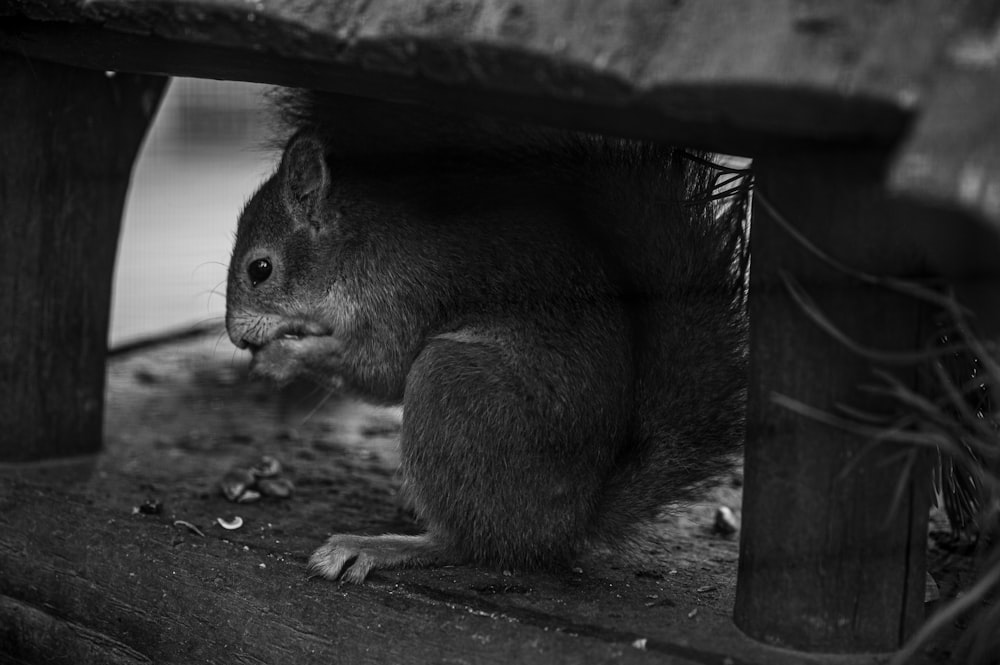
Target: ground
{"type": "Point", "coordinates": [193, 401]}
{"type": "Point", "coordinates": [180, 415]}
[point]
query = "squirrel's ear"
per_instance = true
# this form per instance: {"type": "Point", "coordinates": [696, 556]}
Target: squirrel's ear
{"type": "Point", "coordinates": [304, 175]}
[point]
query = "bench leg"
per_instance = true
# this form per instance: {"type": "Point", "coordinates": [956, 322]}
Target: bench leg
{"type": "Point", "coordinates": [825, 563]}
{"type": "Point", "coordinates": [67, 144]}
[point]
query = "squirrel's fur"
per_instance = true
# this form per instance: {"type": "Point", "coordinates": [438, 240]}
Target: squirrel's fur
{"type": "Point", "coordinates": [560, 314]}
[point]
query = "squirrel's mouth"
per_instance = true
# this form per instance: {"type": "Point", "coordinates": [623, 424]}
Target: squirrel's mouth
{"type": "Point", "coordinates": [284, 331]}
{"type": "Point", "coordinates": [297, 330]}
{"type": "Point", "coordinates": [295, 350]}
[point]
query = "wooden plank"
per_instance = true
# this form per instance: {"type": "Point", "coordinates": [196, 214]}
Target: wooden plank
{"type": "Point", "coordinates": [158, 595]}
{"type": "Point", "coordinates": [744, 78]}
{"type": "Point", "coordinates": [81, 577]}
{"type": "Point", "coordinates": [77, 562]}
{"type": "Point", "coordinates": [829, 560]}
{"type": "Point", "coordinates": [176, 598]}
{"type": "Point", "coordinates": [33, 635]}
{"type": "Point", "coordinates": [729, 76]}
{"type": "Point", "coordinates": [66, 148]}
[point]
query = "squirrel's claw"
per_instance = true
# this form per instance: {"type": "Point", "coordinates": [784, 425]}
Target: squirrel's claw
{"type": "Point", "coordinates": [351, 558]}
{"type": "Point", "coordinates": [333, 560]}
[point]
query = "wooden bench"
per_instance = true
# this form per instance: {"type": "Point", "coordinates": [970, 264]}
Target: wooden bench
{"type": "Point", "coordinates": [872, 125]}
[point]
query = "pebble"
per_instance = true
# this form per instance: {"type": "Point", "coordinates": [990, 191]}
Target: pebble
{"type": "Point", "coordinates": [725, 521]}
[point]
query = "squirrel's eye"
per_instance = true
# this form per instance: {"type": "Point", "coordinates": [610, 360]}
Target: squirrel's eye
{"type": "Point", "coordinates": [259, 270]}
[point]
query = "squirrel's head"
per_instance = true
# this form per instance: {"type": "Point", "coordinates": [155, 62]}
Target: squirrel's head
{"type": "Point", "coordinates": [280, 290]}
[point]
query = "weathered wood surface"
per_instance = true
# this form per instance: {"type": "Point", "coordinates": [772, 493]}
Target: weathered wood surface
{"type": "Point", "coordinates": [834, 531]}
{"type": "Point", "coordinates": [80, 576]}
{"type": "Point", "coordinates": [731, 76]}
{"type": "Point", "coordinates": [82, 579]}
{"type": "Point", "coordinates": [154, 593]}
{"type": "Point", "coordinates": [753, 77]}
{"type": "Point", "coordinates": [67, 142]}
{"type": "Point", "coordinates": [692, 62]}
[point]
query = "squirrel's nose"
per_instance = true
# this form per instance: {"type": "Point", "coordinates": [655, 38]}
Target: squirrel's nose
{"type": "Point", "coordinates": [241, 332]}
{"type": "Point", "coordinates": [245, 344]}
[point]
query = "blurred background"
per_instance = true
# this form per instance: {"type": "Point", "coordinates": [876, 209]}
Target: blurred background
{"type": "Point", "coordinates": [201, 161]}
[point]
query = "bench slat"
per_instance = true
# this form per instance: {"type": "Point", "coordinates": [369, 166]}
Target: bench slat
{"type": "Point", "coordinates": [747, 77]}
{"type": "Point", "coordinates": [746, 73]}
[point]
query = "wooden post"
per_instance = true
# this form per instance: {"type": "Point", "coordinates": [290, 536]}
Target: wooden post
{"type": "Point", "coordinates": [825, 564]}
{"type": "Point", "coordinates": [67, 143]}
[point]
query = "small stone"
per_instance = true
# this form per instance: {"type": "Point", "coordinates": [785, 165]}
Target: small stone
{"type": "Point", "coordinates": [725, 521]}
{"type": "Point", "coordinates": [235, 483]}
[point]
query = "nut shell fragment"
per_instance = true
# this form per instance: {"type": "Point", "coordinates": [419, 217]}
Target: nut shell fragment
{"type": "Point", "coordinates": [230, 525]}
{"type": "Point", "coordinates": [267, 467]}
{"type": "Point", "coordinates": [249, 484]}
{"type": "Point", "coordinates": [248, 496]}
{"type": "Point", "coordinates": [148, 507]}
{"type": "Point", "coordinates": [235, 483]}
{"type": "Point", "coordinates": [277, 487]}
{"type": "Point", "coordinates": [190, 527]}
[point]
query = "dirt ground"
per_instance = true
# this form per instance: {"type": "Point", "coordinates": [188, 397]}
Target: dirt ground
{"type": "Point", "coordinates": [181, 414]}
{"type": "Point", "coordinates": [193, 401]}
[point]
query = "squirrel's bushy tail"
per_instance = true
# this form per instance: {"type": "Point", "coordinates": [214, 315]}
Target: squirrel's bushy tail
{"type": "Point", "coordinates": [688, 232]}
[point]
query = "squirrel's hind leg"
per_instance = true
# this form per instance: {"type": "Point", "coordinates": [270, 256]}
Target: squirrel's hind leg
{"type": "Point", "coordinates": [508, 435]}
{"type": "Point", "coordinates": [352, 558]}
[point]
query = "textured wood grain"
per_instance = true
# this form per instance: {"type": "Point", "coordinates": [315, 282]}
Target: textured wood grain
{"type": "Point", "coordinates": [756, 77]}
{"type": "Point", "coordinates": [828, 560]}
{"type": "Point", "coordinates": [746, 77]}
{"type": "Point", "coordinates": [738, 77]}
{"type": "Point", "coordinates": [720, 73]}
{"type": "Point", "coordinates": [179, 417]}
{"type": "Point", "coordinates": [35, 636]}
{"type": "Point", "coordinates": [84, 581]}
{"type": "Point", "coordinates": [66, 148]}
{"type": "Point", "coordinates": [176, 598]}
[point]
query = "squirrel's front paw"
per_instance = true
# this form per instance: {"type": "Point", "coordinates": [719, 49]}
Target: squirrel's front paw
{"type": "Point", "coordinates": [351, 558]}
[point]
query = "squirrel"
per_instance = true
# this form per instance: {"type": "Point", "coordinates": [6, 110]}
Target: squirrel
{"type": "Point", "coordinates": [560, 314]}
